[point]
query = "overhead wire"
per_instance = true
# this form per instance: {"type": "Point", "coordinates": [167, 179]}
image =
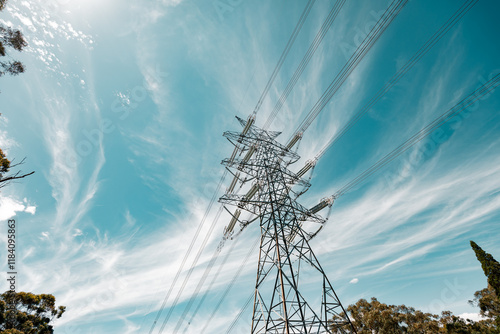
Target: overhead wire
{"type": "Point", "coordinates": [191, 269]}
{"type": "Point", "coordinates": [284, 54]}
{"type": "Point", "coordinates": [200, 285]}
{"type": "Point", "coordinates": [228, 288]}
{"type": "Point", "coordinates": [190, 248]}
{"type": "Point", "coordinates": [305, 60]}
{"type": "Point", "coordinates": [433, 40]}
{"type": "Point", "coordinates": [484, 89]}
{"type": "Point", "coordinates": [240, 313]}
{"type": "Point", "coordinates": [382, 24]}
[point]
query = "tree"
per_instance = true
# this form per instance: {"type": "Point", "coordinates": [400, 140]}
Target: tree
{"type": "Point", "coordinates": [489, 307]}
{"type": "Point", "coordinates": [456, 325]}
{"type": "Point", "coordinates": [376, 317]}
{"type": "Point", "coordinates": [5, 166]}
{"type": "Point", "coordinates": [490, 266]}
{"type": "Point", "coordinates": [27, 313]}
{"type": "Point", "coordinates": [488, 300]}
{"type": "Point", "coordinates": [13, 39]}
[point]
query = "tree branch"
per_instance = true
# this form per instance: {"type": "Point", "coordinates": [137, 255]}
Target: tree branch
{"type": "Point", "coordinates": [14, 177]}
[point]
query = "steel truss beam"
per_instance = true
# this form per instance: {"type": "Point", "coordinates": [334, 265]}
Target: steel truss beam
{"type": "Point", "coordinates": [285, 253]}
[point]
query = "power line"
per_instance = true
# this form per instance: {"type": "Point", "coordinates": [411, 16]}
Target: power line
{"type": "Point", "coordinates": [191, 269]}
{"type": "Point", "coordinates": [243, 309]}
{"type": "Point", "coordinates": [387, 18]}
{"type": "Point", "coordinates": [305, 60]}
{"type": "Point", "coordinates": [486, 88]}
{"type": "Point", "coordinates": [200, 285]}
{"type": "Point", "coordinates": [423, 50]}
{"type": "Point", "coordinates": [288, 46]}
{"type": "Point", "coordinates": [214, 196]}
{"type": "Point", "coordinates": [236, 276]}
{"type": "Point", "coordinates": [214, 279]}
{"type": "Point", "coordinates": [435, 38]}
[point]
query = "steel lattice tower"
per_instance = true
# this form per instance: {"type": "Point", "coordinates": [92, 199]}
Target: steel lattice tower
{"type": "Point", "coordinates": [285, 253]}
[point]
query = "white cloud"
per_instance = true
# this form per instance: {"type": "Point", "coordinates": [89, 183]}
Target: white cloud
{"type": "Point", "coordinates": [354, 281]}
{"type": "Point", "coordinates": [10, 206]}
{"type": "Point", "coordinates": [5, 141]}
{"type": "Point", "coordinates": [471, 316]}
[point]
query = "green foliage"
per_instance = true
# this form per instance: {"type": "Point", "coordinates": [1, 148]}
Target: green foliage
{"type": "Point", "coordinates": [5, 166]}
{"type": "Point", "coordinates": [376, 317]}
{"type": "Point", "coordinates": [4, 163]}
{"type": "Point", "coordinates": [489, 306]}
{"type": "Point", "coordinates": [27, 313]}
{"type": "Point", "coordinates": [13, 39]}
{"type": "Point", "coordinates": [455, 325]}
{"type": "Point", "coordinates": [490, 266]}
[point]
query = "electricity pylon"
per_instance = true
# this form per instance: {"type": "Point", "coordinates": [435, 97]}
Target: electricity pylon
{"type": "Point", "coordinates": [286, 229]}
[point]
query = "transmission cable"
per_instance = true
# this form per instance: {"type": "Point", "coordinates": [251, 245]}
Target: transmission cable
{"type": "Point", "coordinates": [214, 279]}
{"type": "Point", "coordinates": [305, 60]}
{"type": "Point", "coordinates": [382, 24]}
{"type": "Point", "coordinates": [200, 285]}
{"type": "Point", "coordinates": [238, 273]}
{"type": "Point", "coordinates": [412, 141]}
{"type": "Point", "coordinates": [281, 60]}
{"type": "Point", "coordinates": [190, 271]}
{"type": "Point", "coordinates": [214, 196]}
{"type": "Point", "coordinates": [486, 88]}
{"type": "Point", "coordinates": [445, 28]}
{"type": "Point", "coordinates": [243, 309]}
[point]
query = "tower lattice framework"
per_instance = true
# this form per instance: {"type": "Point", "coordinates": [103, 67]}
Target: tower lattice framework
{"type": "Point", "coordinates": [286, 229]}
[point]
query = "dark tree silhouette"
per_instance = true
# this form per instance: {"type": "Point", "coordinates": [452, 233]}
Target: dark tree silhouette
{"type": "Point", "coordinates": [490, 266]}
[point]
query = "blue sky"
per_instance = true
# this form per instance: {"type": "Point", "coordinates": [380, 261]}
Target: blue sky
{"type": "Point", "coordinates": [121, 113]}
